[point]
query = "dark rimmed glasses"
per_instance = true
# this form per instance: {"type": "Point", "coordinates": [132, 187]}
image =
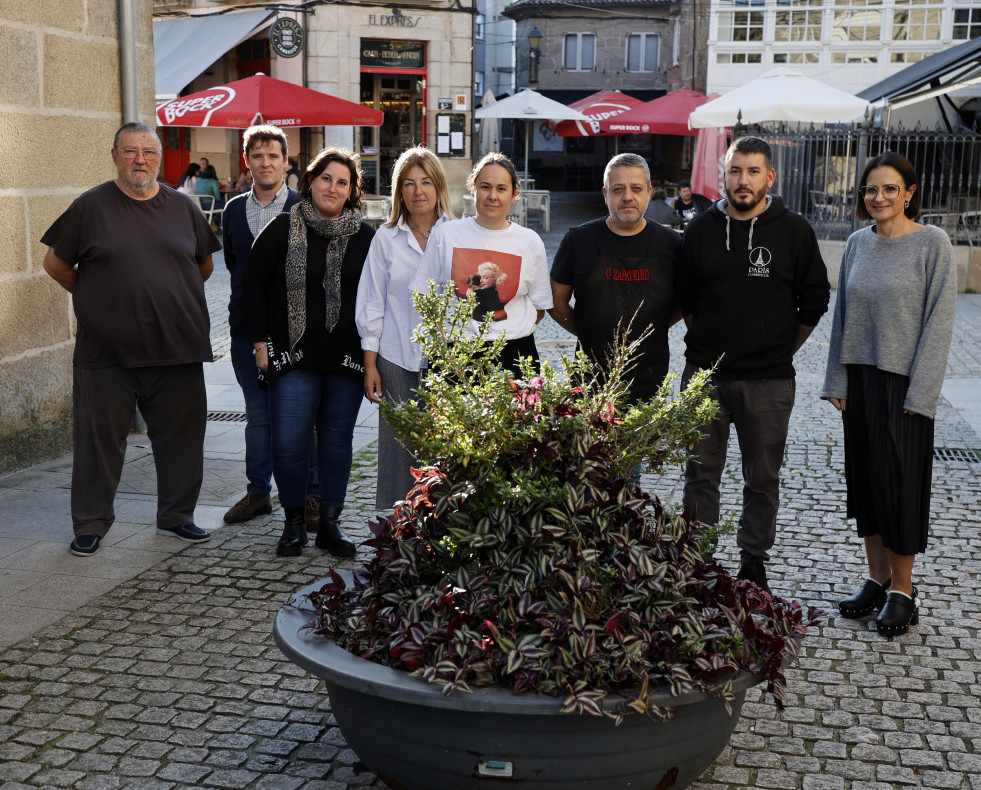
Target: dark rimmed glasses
{"type": "Point", "coordinates": [889, 192]}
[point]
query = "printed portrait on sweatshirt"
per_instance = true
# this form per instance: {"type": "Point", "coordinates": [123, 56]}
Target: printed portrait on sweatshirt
{"type": "Point", "coordinates": [491, 276]}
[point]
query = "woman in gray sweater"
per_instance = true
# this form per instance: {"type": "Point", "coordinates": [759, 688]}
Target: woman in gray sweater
{"type": "Point", "coordinates": [893, 320]}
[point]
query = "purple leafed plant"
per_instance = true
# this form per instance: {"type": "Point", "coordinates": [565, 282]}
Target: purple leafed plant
{"type": "Point", "coordinates": [524, 557]}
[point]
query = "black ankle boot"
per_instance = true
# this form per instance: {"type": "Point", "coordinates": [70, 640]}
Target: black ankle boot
{"type": "Point", "coordinates": [898, 614]}
{"type": "Point", "coordinates": [294, 534]}
{"type": "Point", "coordinates": [870, 596]}
{"type": "Point", "coordinates": [330, 536]}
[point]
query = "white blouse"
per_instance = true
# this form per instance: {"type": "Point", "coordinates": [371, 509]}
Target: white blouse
{"type": "Point", "coordinates": [384, 313]}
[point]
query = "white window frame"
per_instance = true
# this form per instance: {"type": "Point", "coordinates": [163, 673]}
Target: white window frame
{"type": "Point", "coordinates": [644, 38]}
{"type": "Point", "coordinates": [478, 27]}
{"type": "Point", "coordinates": [973, 10]}
{"type": "Point", "coordinates": [579, 37]}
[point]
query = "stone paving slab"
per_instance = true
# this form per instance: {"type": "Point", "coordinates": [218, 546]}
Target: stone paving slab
{"type": "Point", "coordinates": [171, 679]}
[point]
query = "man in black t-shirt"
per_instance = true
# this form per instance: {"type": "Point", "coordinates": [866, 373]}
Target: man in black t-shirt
{"type": "Point", "coordinates": [689, 203]}
{"type": "Point", "coordinates": [616, 267]}
{"type": "Point", "coordinates": [134, 254]}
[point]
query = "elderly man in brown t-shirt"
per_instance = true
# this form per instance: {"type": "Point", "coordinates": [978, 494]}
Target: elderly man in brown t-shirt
{"type": "Point", "coordinates": [134, 254]}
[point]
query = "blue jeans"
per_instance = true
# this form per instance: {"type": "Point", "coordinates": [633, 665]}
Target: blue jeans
{"type": "Point", "coordinates": [258, 428]}
{"type": "Point", "coordinates": [301, 401]}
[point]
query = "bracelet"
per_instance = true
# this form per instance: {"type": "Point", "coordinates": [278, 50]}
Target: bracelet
{"type": "Point", "coordinates": [255, 350]}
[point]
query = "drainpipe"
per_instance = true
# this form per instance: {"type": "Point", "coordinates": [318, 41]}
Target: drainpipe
{"type": "Point", "coordinates": [126, 11]}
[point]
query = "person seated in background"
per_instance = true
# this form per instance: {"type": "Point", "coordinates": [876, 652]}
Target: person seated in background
{"type": "Point", "coordinates": [189, 178]}
{"type": "Point", "coordinates": [660, 211]}
{"type": "Point", "coordinates": [207, 184]}
{"type": "Point", "coordinates": [294, 174]}
{"type": "Point", "coordinates": [244, 181]}
{"type": "Point", "coordinates": [689, 203]}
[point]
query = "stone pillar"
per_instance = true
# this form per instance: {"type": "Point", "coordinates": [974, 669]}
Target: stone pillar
{"type": "Point", "coordinates": [60, 89]}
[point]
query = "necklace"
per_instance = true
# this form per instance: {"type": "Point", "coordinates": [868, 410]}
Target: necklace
{"type": "Point", "coordinates": [420, 231]}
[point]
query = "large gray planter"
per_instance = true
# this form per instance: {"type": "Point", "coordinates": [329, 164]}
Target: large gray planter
{"type": "Point", "coordinates": [415, 738]}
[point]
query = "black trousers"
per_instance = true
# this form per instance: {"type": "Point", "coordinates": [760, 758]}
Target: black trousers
{"type": "Point", "coordinates": [173, 402]}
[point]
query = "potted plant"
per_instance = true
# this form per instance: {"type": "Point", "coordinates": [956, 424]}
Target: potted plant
{"type": "Point", "coordinates": [526, 580]}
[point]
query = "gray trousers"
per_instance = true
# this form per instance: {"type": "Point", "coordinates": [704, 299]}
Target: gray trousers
{"type": "Point", "coordinates": [760, 411]}
{"type": "Point", "coordinates": [173, 402]}
{"type": "Point", "coordinates": [394, 461]}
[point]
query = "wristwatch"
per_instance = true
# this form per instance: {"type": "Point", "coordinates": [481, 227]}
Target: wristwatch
{"type": "Point", "coordinates": [255, 350]}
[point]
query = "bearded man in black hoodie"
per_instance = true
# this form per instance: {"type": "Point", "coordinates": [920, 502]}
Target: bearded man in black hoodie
{"type": "Point", "coordinates": [752, 285]}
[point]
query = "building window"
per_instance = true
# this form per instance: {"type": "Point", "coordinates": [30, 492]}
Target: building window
{"type": "Point", "coordinates": [856, 20]}
{"type": "Point", "coordinates": [478, 84]}
{"type": "Point", "coordinates": [643, 52]}
{"type": "Point", "coordinates": [908, 57]}
{"type": "Point", "coordinates": [741, 26]}
{"type": "Point", "coordinates": [967, 23]}
{"type": "Point", "coordinates": [854, 57]}
{"type": "Point", "coordinates": [739, 57]}
{"type": "Point", "coordinates": [917, 20]}
{"type": "Point", "coordinates": [478, 27]}
{"type": "Point", "coordinates": [799, 25]}
{"type": "Point", "coordinates": [796, 57]}
{"type": "Point", "coordinates": [579, 52]}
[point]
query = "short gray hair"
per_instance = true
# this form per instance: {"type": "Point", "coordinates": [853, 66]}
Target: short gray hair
{"type": "Point", "coordinates": [134, 126]}
{"type": "Point", "coordinates": [626, 160]}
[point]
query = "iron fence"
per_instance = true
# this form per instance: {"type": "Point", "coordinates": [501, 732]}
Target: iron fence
{"type": "Point", "coordinates": [818, 169]}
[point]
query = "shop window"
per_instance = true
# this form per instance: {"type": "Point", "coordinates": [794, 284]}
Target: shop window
{"type": "Point", "coordinates": [579, 51]}
{"type": "Point", "coordinates": [967, 23]}
{"type": "Point", "coordinates": [856, 20]}
{"type": "Point", "coordinates": [643, 52]}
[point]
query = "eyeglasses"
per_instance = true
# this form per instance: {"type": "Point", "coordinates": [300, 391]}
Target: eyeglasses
{"type": "Point", "coordinates": [889, 192]}
{"type": "Point", "coordinates": [132, 153]}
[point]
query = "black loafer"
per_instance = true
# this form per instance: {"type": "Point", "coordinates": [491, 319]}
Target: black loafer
{"type": "Point", "coordinates": [898, 614]}
{"type": "Point", "coordinates": [870, 596]}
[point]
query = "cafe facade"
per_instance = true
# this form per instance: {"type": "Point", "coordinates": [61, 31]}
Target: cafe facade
{"type": "Point", "coordinates": [415, 64]}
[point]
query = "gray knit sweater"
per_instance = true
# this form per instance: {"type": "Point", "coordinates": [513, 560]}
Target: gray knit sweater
{"type": "Point", "coordinates": [895, 310]}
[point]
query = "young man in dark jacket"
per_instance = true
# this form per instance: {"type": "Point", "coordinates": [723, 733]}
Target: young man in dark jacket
{"type": "Point", "coordinates": [752, 285]}
{"type": "Point", "coordinates": [264, 148]}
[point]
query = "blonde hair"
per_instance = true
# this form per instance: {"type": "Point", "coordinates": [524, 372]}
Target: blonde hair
{"type": "Point", "coordinates": [499, 276]}
{"type": "Point", "coordinates": [433, 168]}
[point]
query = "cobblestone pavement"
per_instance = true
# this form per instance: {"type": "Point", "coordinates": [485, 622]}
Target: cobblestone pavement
{"type": "Point", "coordinates": [172, 679]}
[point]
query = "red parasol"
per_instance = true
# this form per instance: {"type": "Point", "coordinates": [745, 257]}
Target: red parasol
{"type": "Point", "coordinates": [665, 115]}
{"type": "Point", "coordinates": [597, 107]}
{"type": "Point", "coordinates": [708, 169]}
{"type": "Point", "coordinates": [262, 99]}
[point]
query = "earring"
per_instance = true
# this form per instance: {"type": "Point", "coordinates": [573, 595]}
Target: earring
{"type": "Point", "coordinates": [907, 204]}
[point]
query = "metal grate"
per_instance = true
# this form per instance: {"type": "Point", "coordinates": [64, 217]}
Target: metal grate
{"type": "Point", "coordinates": [950, 456]}
{"type": "Point", "coordinates": [226, 416]}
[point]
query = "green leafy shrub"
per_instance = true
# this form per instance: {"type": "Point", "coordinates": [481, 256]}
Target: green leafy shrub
{"type": "Point", "coordinates": [525, 558]}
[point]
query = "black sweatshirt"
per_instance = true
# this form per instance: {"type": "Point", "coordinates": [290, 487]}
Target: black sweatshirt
{"type": "Point", "coordinates": [747, 285]}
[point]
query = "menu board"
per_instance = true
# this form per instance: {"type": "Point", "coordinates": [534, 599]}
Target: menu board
{"type": "Point", "coordinates": [450, 134]}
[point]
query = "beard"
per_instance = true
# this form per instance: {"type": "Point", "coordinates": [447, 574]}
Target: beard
{"type": "Point", "coordinates": [745, 202]}
{"type": "Point", "coordinates": [628, 220]}
{"type": "Point", "coordinates": [140, 178]}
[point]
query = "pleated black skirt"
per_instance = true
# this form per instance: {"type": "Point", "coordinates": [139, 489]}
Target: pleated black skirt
{"type": "Point", "coordinates": [888, 460]}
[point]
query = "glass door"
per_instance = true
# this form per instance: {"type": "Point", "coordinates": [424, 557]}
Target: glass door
{"type": "Point", "coordinates": [400, 98]}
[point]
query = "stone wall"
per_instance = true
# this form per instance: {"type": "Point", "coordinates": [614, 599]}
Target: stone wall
{"type": "Point", "coordinates": [60, 101]}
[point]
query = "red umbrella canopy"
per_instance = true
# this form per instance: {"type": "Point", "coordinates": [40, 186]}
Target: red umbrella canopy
{"type": "Point", "coordinates": [597, 107]}
{"type": "Point", "coordinates": [667, 114]}
{"type": "Point", "coordinates": [262, 99]}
